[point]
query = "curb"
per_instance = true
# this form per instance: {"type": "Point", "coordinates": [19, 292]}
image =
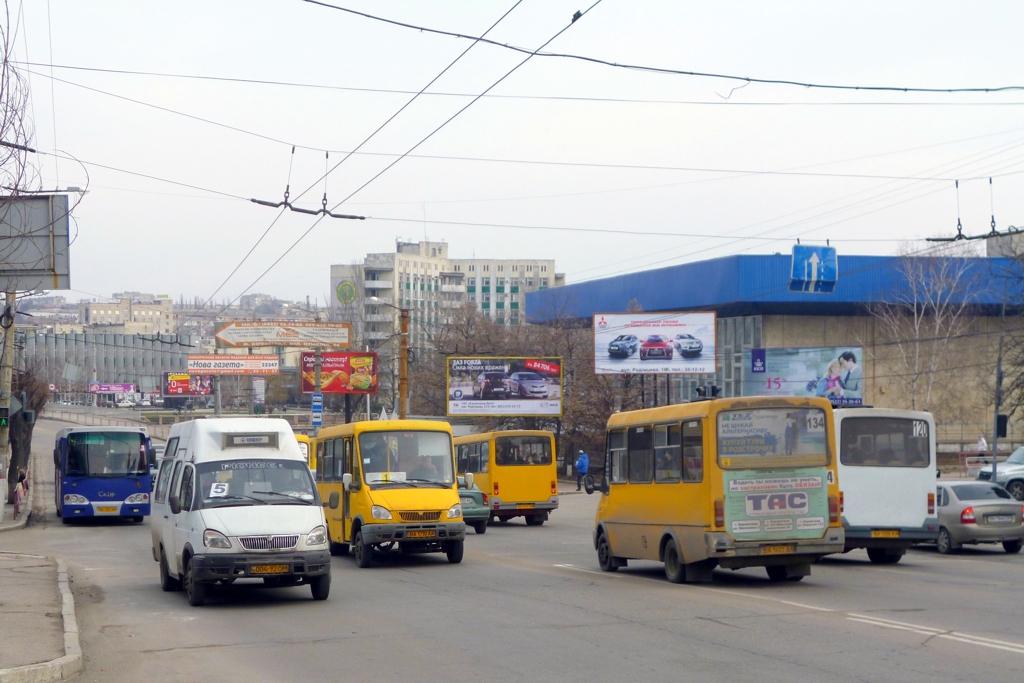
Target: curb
{"type": "Point", "coordinates": [29, 502]}
{"type": "Point", "coordinates": [62, 667]}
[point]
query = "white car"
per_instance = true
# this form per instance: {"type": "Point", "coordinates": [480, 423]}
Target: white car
{"type": "Point", "coordinates": [125, 404]}
{"type": "Point", "coordinates": [145, 403]}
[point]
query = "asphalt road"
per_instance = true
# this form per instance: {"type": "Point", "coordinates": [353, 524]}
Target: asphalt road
{"type": "Point", "coordinates": [530, 604]}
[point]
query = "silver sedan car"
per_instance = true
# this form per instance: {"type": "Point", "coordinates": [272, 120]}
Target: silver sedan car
{"type": "Point", "coordinates": [974, 512]}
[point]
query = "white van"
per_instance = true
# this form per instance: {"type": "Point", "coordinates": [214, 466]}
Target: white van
{"type": "Point", "coordinates": [234, 499]}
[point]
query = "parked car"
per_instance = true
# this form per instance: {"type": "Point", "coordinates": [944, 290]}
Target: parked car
{"type": "Point", "coordinates": [125, 404]}
{"type": "Point", "coordinates": [623, 346]}
{"type": "Point", "coordinates": [528, 385]}
{"type": "Point", "coordinates": [656, 346]}
{"type": "Point", "coordinates": [145, 403]}
{"type": "Point", "coordinates": [491, 385]}
{"type": "Point", "coordinates": [1009, 473]}
{"type": "Point", "coordinates": [978, 513]}
{"type": "Point", "coordinates": [688, 345]}
{"type": "Point", "coordinates": [475, 507]}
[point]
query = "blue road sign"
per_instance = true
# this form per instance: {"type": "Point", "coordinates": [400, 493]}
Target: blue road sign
{"type": "Point", "coordinates": [317, 419]}
{"type": "Point", "coordinates": [318, 400]}
{"type": "Point", "coordinates": [815, 269]}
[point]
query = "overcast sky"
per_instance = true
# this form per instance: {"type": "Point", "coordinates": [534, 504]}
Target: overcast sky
{"type": "Point", "coordinates": [564, 147]}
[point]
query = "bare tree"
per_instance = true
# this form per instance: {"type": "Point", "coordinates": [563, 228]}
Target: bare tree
{"type": "Point", "coordinates": [934, 306]}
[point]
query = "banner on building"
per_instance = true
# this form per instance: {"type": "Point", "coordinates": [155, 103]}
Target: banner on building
{"type": "Point", "coordinates": [184, 384]}
{"type": "Point", "coordinates": [99, 388]}
{"type": "Point", "coordinates": [654, 343]}
{"type": "Point", "coordinates": [253, 364]}
{"type": "Point", "coordinates": [504, 386]}
{"type": "Point", "coordinates": [835, 372]}
{"type": "Point", "coordinates": [341, 372]}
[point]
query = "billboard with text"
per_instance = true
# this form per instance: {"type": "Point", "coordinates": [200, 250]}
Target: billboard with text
{"type": "Point", "coordinates": [835, 372]}
{"type": "Point", "coordinates": [341, 372]}
{"type": "Point", "coordinates": [184, 384]}
{"type": "Point", "coordinates": [501, 386]}
{"type": "Point", "coordinates": [654, 343]}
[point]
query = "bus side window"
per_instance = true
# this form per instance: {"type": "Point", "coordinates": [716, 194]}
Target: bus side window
{"type": "Point", "coordinates": [473, 459]}
{"type": "Point", "coordinates": [319, 460]}
{"type": "Point", "coordinates": [163, 480]}
{"type": "Point", "coordinates": [641, 455]}
{"type": "Point", "coordinates": [668, 462]}
{"type": "Point", "coordinates": [186, 488]}
{"type": "Point", "coordinates": [693, 451]}
{"type": "Point", "coordinates": [617, 456]}
{"type": "Point", "coordinates": [328, 461]}
{"type": "Point", "coordinates": [461, 457]}
{"type": "Point", "coordinates": [485, 456]}
{"type": "Point", "coordinates": [339, 458]}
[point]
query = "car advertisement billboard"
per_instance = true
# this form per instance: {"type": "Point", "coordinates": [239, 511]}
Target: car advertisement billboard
{"type": "Point", "coordinates": [835, 372]}
{"type": "Point", "coordinates": [184, 384]}
{"type": "Point", "coordinates": [486, 386]}
{"type": "Point", "coordinates": [341, 372]}
{"type": "Point", "coordinates": [654, 343]}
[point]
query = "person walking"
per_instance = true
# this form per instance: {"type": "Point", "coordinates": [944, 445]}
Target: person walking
{"type": "Point", "coordinates": [982, 444]}
{"type": "Point", "coordinates": [582, 467]}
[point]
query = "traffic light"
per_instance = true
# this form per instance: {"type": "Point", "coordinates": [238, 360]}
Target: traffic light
{"type": "Point", "coordinates": [5, 414]}
{"type": "Point", "coordinates": [1001, 425]}
{"type": "Point", "coordinates": [28, 416]}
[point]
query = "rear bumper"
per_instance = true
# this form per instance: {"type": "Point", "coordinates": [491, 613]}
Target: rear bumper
{"type": "Point", "coordinates": [503, 509]}
{"type": "Point", "coordinates": [732, 554]}
{"type": "Point", "coordinates": [209, 568]}
{"type": "Point", "coordinates": [388, 533]}
{"type": "Point", "coordinates": [986, 534]}
{"type": "Point", "coordinates": [868, 537]}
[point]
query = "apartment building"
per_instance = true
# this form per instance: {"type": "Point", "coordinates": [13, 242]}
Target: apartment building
{"type": "Point", "coordinates": [131, 313]}
{"type": "Point", "coordinates": [420, 277]}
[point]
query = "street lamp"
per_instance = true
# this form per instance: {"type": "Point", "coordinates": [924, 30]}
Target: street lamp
{"type": "Point", "coordinates": [403, 355]}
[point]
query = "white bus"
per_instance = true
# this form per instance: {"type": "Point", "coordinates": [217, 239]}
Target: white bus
{"type": "Point", "coordinates": [887, 471]}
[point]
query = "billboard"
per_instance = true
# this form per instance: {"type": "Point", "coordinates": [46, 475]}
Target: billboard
{"type": "Point", "coordinates": [184, 384]}
{"type": "Point", "coordinates": [284, 333]}
{"type": "Point", "coordinates": [341, 372]}
{"type": "Point", "coordinates": [654, 343]}
{"type": "Point", "coordinates": [835, 372]}
{"type": "Point", "coordinates": [479, 386]}
{"type": "Point", "coordinates": [100, 388]}
{"type": "Point", "coordinates": [253, 364]}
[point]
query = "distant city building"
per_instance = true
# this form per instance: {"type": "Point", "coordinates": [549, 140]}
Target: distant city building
{"type": "Point", "coordinates": [420, 277]}
{"type": "Point", "coordinates": [133, 313]}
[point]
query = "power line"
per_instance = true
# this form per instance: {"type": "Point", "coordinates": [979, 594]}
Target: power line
{"type": "Point", "coordinates": [676, 72]}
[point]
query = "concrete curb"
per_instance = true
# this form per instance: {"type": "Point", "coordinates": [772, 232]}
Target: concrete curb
{"type": "Point", "coordinates": [29, 502]}
{"type": "Point", "coordinates": [62, 667]}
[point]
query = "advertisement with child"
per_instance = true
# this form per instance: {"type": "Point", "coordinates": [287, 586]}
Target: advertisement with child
{"type": "Point", "coordinates": [835, 372]}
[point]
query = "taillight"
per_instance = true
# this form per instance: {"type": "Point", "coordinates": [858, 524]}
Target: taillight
{"type": "Point", "coordinates": [931, 503]}
{"type": "Point", "coordinates": [719, 513]}
{"type": "Point", "coordinates": [842, 502]}
{"type": "Point", "coordinates": [967, 516]}
{"type": "Point", "coordinates": [495, 488]}
{"type": "Point", "coordinates": [486, 502]}
{"type": "Point", "coordinates": [554, 487]}
{"type": "Point", "coordinates": [833, 509]}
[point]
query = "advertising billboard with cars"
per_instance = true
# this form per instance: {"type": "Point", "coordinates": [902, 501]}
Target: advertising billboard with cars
{"type": "Point", "coordinates": [835, 372]}
{"type": "Point", "coordinates": [518, 386]}
{"type": "Point", "coordinates": [184, 384]}
{"type": "Point", "coordinates": [654, 343]}
{"type": "Point", "coordinates": [341, 372]}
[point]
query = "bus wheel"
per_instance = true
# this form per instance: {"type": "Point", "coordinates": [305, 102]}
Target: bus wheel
{"type": "Point", "coordinates": [136, 519]}
{"type": "Point", "coordinates": [675, 570]}
{"type": "Point", "coordinates": [604, 555]}
{"type": "Point", "coordinates": [339, 548]}
{"type": "Point", "coordinates": [362, 553]}
{"type": "Point", "coordinates": [776, 573]}
{"type": "Point", "coordinates": [534, 520]}
{"type": "Point", "coordinates": [882, 556]}
{"type": "Point", "coordinates": [454, 550]}
{"type": "Point", "coordinates": [167, 582]}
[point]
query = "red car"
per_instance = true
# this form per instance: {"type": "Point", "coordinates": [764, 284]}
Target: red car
{"type": "Point", "coordinates": [656, 346]}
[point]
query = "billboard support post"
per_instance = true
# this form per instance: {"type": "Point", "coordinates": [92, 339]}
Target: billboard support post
{"type": "Point", "coordinates": [403, 368]}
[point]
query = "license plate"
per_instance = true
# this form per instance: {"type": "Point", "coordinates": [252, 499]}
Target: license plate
{"type": "Point", "coordinates": [999, 519]}
{"type": "Point", "coordinates": [885, 533]}
{"type": "Point", "coordinates": [105, 508]}
{"type": "Point", "coordinates": [524, 506]}
{"type": "Point", "coordinates": [467, 501]}
{"type": "Point", "coordinates": [426, 533]}
{"type": "Point", "coordinates": [268, 569]}
{"type": "Point", "coordinates": [777, 549]}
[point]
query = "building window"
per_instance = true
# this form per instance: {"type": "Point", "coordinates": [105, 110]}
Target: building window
{"type": "Point", "coordinates": [514, 268]}
{"type": "Point", "coordinates": [529, 269]}
{"type": "Point", "coordinates": [501, 268]}
{"type": "Point", "coordinates": [515, 282]}
{"type": "Point", "coordinates": [543, 282]}
{"type": "Point", "coordinates": [529, 282]}
{"type": "Point", "coordinates": [487, 268]}
{"type": "Point", "coordinates": [543, 269]}
{"type": "Point", "coordinates": [472, 268]}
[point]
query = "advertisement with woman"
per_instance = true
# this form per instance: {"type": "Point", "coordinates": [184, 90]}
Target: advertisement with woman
{"type": "Point", "coordinates": [834, 372]}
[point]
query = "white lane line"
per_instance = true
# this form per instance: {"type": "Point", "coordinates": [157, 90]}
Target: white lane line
{"type": "Point", "coordinates": [800, 604]}
{"type": "Point", "coordinates": [958, 636]}
{"type": "Point", "coordinates": [584, 569]}
{"type": "Point", "coordinates": [865, 617]}
{"type": "Point", "coordinates": [894, 626]}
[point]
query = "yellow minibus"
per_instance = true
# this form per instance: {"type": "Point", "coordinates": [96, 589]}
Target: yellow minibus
{"type": "Point", "coordinates": [515, 469]}
{"type": "Point", "coordinates": [396, 481]}
{"type": "Point", "coordinates": [732, 483]}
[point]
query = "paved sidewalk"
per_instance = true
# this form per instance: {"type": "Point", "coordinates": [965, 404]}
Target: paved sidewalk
{"type": "Point", "coordinates": [31, 626]}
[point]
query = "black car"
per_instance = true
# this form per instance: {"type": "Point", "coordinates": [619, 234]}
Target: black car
{"type": "Point", "coordinates": [492, 385]}
{"type": "Point", "coordinates": [623, 346]}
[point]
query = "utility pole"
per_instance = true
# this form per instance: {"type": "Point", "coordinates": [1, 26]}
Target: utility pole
{"type": "Point", "coordinates": [403, 369]}
{"type": "Point", "coordinates": [999, 393]}
{"type": "Point", "coordinates": [6, 375]}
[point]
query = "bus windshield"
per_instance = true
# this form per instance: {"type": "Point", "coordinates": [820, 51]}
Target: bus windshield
{"type": "Point", "coordinates": [770, 432]}
{"type": "Point", "coordinates": [406, 457]}
{"type": "Point", "coordinates": [106, 454]}
{"type": "Point", "coordinates": [884, 442]}
{"type": "Point", "coordinates": [522, 450]}
{"type": "Point", "coordinates": [255, 481]}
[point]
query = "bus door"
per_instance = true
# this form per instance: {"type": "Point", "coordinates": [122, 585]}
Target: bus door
{"type": "Point", "coordinates": [348, 467]}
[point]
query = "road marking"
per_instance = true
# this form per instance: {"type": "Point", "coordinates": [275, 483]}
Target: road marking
{"type": "Point", "coordinates": [800, 604]}
{"type": "Point", "coordinates": [1006, 646]}
{"type": "Point", "coordinates": [583, 569]}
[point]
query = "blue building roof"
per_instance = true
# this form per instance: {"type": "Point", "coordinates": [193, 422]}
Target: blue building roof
{"type": "Point", "coordinates": [759, 285]}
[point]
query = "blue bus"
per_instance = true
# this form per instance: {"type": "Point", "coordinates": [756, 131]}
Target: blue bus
{"type": "Point", "coordinates": [102, 472]}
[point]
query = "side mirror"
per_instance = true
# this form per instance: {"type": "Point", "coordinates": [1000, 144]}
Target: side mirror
{"type": "Point", "coordinates": [335, 499]}
{"type": "Point", "coordinates": [588, 483]}
{"type": "Point", "coordinates": [346, 480]}
{"type": "Point", "coordinates": [469, 480]}
{"type": "Point", "coordinates": [175, 504]}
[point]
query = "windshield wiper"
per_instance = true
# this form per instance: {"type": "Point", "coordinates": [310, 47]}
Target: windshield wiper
{"type": "Point", "coordinates": [293, 496]}
{"type": "Point", "coordinates": [429, 481]}
{"type": "Point", "coordinates": [237, 496]}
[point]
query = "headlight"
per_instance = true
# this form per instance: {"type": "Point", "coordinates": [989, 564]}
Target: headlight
{"type": "Point", "coordinates": [215, 539]}
{"type": "Point", "coordinates": [75, 499]}
{"type": "Point", "coordinates": [377, 512]}
{"type": "Point", "coordinates": [317, 536]}
{"type": "Point", "coordinates": [455, 511]}
{"type": "Point", "coordinates": [138, 498]}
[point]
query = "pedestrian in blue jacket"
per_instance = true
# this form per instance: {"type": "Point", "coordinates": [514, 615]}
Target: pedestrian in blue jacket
{"type": "Point", "coordinates": [582, 466]}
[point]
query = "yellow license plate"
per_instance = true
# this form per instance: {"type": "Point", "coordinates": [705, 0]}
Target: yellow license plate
{"type": "Point", "coordinates": [426, 533]}
{"type": "Point", "coordinates": [777, 549]}
{"type": "Point", "coordinates": [524, 506]}
{"type": "Point", "coordinates": [268, 569]}
{"type": "Point", "coordinates": [105, 508]}
{"type": "Point", "coordinates": [885, 533]}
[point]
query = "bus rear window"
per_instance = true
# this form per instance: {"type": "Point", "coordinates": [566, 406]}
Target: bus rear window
{"type": "Point", "coordinates": [781, 434]}
{"type": "Point", "coordinates": [884, 442]}
{"type": "Point", "coordinates": [522, 450]}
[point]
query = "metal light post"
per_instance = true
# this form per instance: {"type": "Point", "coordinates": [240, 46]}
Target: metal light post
{"type": "Point", "coordinates": [403, 356]}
